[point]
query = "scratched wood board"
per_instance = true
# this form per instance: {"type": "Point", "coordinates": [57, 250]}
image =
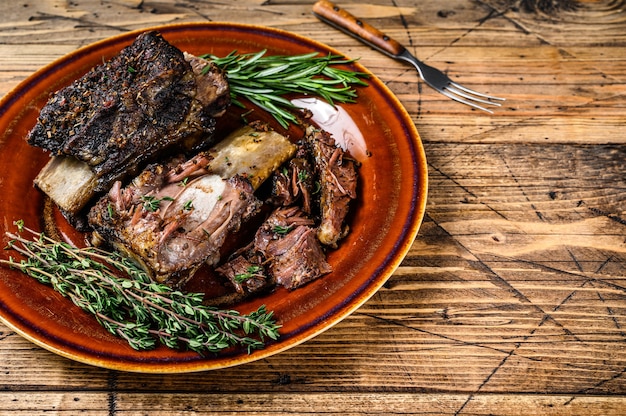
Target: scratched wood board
{"type": "Point", "coordinates": [511, 300]}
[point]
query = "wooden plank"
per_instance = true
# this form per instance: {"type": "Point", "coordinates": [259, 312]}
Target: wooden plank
{"type": "Point", "coordinates": [56, 403]}
{"type": "Point", "coordinates": [128, 404]}
{"type": "Point", "coordinates": [25, 366]}
{"type": "Point", "coordinates": [378, 404]}
{"type": "Point", "coordinates": [529, 115]}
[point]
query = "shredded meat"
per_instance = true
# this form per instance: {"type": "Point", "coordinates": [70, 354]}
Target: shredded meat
{"type": "Point", "coordinates": [247, 275]}
{"type": "Point", "coordinates": [297, 258]}
{"type": "Point", "coordinates": [338, 182]}
{"type": "Point", "coordinates": [170, 228]}
{"type": "Point", "coordinates": [287, 247]}
{"type": "Point", "coordinates": [294, 184]}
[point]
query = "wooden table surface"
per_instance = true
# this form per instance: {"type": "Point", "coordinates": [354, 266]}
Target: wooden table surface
{"type": "Point", "coordinates": [512, 299]}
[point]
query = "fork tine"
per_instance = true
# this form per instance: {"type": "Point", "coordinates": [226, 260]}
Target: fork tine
{"type": "Point", "coordinates": [460, 92]}
{"type": "Point", "coordinates": [488, 97]}
{"type": "Point", "coordinates": [448, 94]}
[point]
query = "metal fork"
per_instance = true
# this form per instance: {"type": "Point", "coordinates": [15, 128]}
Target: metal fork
{"type": "Point", "coordinates": [347, 23]}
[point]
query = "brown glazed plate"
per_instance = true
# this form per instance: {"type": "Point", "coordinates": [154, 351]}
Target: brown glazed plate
{"type": "Point", "coordinates": [384, 221]}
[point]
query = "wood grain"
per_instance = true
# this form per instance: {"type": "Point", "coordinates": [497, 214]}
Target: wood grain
{"type": "Point", "coordinates": [512, 299]}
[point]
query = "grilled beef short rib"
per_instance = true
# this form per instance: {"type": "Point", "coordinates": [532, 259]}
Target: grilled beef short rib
{"type": "Point", "coordinates": [176, 216]}
{"type": "Point", "coordinates": [126, 112]}
{"type": "Point", "coordinates": [171, 231]}
{"type": "Point", "coordinates": [152, 100]}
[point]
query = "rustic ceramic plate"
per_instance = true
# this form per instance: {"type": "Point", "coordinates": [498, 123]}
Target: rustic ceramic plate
{"type": "Point", "coordinates": [385, 220]}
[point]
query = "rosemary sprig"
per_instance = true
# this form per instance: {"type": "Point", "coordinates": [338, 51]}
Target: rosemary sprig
{"type": "Point", "coordinates": [136, 308]}
{"type": "Point", "coordinates": [265, 80]}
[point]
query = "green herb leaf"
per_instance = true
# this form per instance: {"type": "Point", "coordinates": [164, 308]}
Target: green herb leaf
{"type": "Point", "coordinates": [281, 229]}
{"type": "Point", "coordinates": [135, 308]}
{"type": "Point", "coordinates": [265, 80]}
{"type": "Point", "coordinates": [250, 272]}
{"type": "Point", "coordinates": [152, 204]}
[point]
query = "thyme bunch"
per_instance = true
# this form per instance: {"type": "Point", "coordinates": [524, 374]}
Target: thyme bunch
{"type": "Point", "coordinates": [265, 80]}
{"type": "Point", "coordinates": [135, 308]}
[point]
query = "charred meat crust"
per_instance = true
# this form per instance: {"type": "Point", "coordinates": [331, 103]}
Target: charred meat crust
{"type": "Point", "coordinates": [129, 110]}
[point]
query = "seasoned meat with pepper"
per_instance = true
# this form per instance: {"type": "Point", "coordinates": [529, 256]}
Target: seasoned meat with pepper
{"type": "Point", "coordinates": [294, 184]}
{"type": "Point", "coordinates": [338, 181]}
{"type": "Point", "coordinates": [176, 216]}
{"type": "Point", "coordinates": [142, 103]}
{"type": "Point", "coordinates": [288, 241]}
{"type": "Point", "coordinates": [285, 251]}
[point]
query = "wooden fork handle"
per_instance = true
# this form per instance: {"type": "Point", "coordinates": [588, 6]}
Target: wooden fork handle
{"type": "Point", "coordinates": [342, 20]}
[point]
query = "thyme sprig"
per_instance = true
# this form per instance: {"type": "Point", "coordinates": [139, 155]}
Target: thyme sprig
{"type": "Point", "coordinates": [135, 308]}
{"type": "Point", "coordinates": [266, 80]}
{"type": "Point", "coordinates": [151, 203]}
{"type": "Point", "coordinates": [249, 273]}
